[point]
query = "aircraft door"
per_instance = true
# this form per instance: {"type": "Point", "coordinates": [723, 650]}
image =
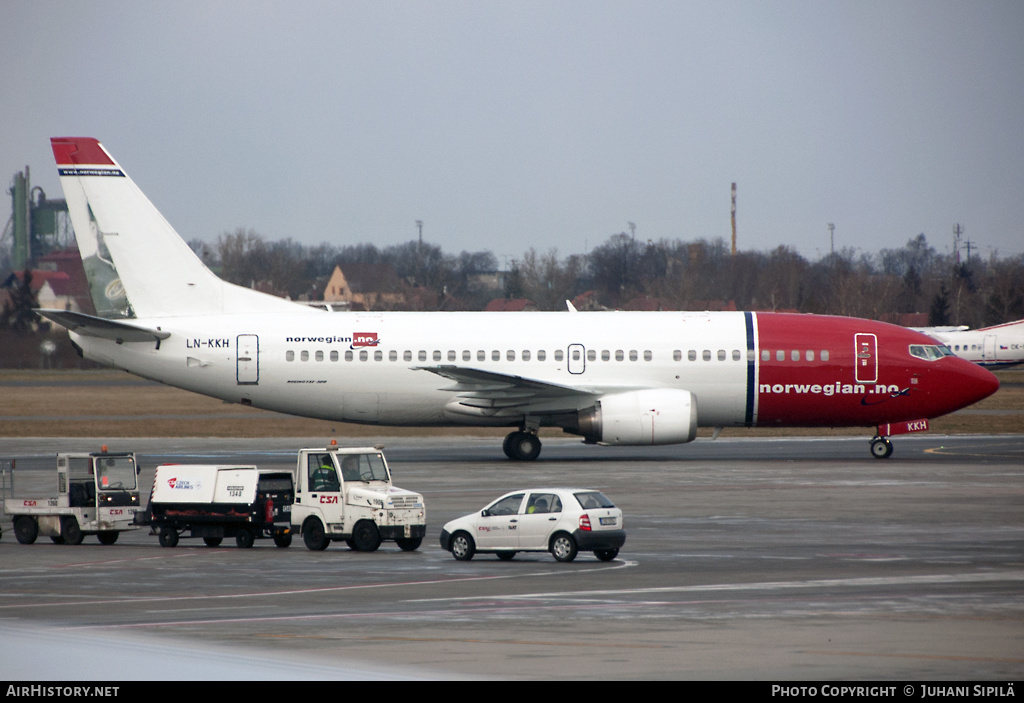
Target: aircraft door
{"type": "Point", "coordinates": [988, 348]}
{"type": "Point", "coordinates": [247, 364]}
{"type": "Point", "coordinates": [577, 361]}
{"type": "Point", "coordinates": [865, 358]}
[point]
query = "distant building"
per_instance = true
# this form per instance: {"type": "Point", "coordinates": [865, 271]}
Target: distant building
{"type": "Point", "coordinates": [366, 287]}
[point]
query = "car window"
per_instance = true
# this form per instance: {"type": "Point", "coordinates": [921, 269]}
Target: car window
{"type": "Point", "coordinates": [543, 503]}
{"type": "Point", "coordinates": [506, 506]}
{"type": "Point", "coordinates": [593, 499]}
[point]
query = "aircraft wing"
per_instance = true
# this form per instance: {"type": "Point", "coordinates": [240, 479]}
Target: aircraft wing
{"type": "Point", "coordinates": [90, 326]}
{"type": "Point", "coordinates": [489, 393]}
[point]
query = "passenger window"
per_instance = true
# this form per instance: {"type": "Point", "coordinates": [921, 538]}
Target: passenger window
{"type": "Point", "coordinates": [363, 356]}
{"type": "Point", "coordinates": [481, 355]}
{"type": "Point", "coordinates": [633, 355]}
{"type": "Point", "coordinates": [451, 355]}
{"type": "Point", "coordinates": [735, 354]}
{"type": "Point", "coordinates": [558, 355]}
{"type": "Point", "coordinates": [692, 355]}
{"type": "Point", "coordinates": [466, 355]}
{"type": "Point", "coordinates": [721, 355]}
{"type": "Point", "coordinates": [289, 355]}
{"type": "Point", "coordinates": [677, 355]}
{"type": "Point", "coordinates": [334, 355]}
{"type": "Point", "coordinates": [766, 355]}
{"type": "Point", "coordinates": [809, 355]}
{"type": "Point", "coordinates": [392, 355]}
{"type": "Point", "coordinates": [824, 354]}
{"type": "Point", "coordinates": [437, 355]}
{"type": "Point", "coordinates": [407, 355]}
{"type": "Point", "coordinates": [525, 356]}
{"type": "Point", "coordinates": [619, 356]}
{"type": "Point", "coordinates": [422, 356]}
{"type": "Point", "coordinates": [795, 355]}
{"type": "Point", "coordinates": [706, 355]}
{"type": "Point", "coordinates": [319, 356]}
{"type": "Point", "coordinates": [349, 355]}
{"type": "Point", "coordinates": [591, 355]}
{"type": "Point", "coordinates": [542, 355]}
{"type": "Point", "coordinates": [304, 356]}
{"type": "Point", "coordinates": [780, 355]}
{"type": "Point", "coordinates": [648, 355]}
{"type": "Point", "coordinates": [606, 355]}
{"type": "Point", "coordinates": [378, 355]}
{"type": "Point", "coordinates": [543, 503]}
{"type": "Point", "coordinates": [495, 355]}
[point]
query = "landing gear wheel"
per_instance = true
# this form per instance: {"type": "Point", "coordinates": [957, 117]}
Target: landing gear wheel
{"type": "Point", "coordinates": [168, 537]}
{"type": "Point", "coordinates": [563, 547]}
{"type": "Point", "coordinates": [366, 536]}
{"type": "Point", "coordinates": [521, 446]}
{"type": "Point", "coordinates": [107, 537]}
{"type": "Point", "coordinates": [881, 448]}
{"type": "Point", "coordinates": [25, 530]}
{"type": "Point", "coordinates": [314, 535]}
{"type": "Point", "coordinates": [70, 530]}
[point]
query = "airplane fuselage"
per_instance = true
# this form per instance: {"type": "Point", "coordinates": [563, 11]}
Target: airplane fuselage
{"type": "Point", "coordinates": [743, 369]}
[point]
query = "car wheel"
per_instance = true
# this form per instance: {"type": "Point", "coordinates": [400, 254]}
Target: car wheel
{"type": "Point", "coordinates": [314, 535]}
{"type": "Point", "coordinates": [70, 530]}
{"type": "Point", "coordinates": [107, 537]}
{"type": "Point", "coordinates": [409, 545]}
{"type": "Point", "coordinates": [168, 537]}
{"type": "Point", "coordinates": [25, 529]}
{"type": "Point", "coordinates": [563, 547]}
{"type": "Point", "coordinates": [463, 547]}
{"type": "Point", "coordinates": [366, 536]}
{"type": "Point", "coordinates": [606, 554]}
{"type": "Point", "coordinates": [212, 541]}
{"type": "Point", "coordinates": [283, 539]}
{"type": "Point", "coordinates": [506, 556]}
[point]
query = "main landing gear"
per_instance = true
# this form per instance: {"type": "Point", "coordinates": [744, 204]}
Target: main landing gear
{"type": "Point", "coordinates": [881, 448]}
{"type": "Point", "coordinates": [521, 445]}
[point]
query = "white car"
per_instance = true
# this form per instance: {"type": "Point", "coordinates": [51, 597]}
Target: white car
{"type": "Point", "coordinates": [558, 520]}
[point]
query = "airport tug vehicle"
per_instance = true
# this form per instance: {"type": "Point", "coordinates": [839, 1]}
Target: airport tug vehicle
{"type": "Point", "coordinates": [213, 502]}
{"type": "Point", "coordinates": [346, 494]}
{"type": "Point", "coordinates": [95, 494]}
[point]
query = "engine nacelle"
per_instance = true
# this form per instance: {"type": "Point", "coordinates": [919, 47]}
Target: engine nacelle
{"type": "Point", "coordinates": [653, 416]}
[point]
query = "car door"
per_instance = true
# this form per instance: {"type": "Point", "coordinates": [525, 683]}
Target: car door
{"type": "Point", "coordinates": [540, 515]}
{"type": "Point", "coordinates": [498, 523]}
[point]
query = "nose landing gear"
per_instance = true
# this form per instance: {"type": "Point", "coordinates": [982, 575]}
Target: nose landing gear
{"type": "Point", "coordinates": [881, 448]}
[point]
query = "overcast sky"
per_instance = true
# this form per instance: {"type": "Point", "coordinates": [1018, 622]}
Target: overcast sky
{"type": "Point", "coordinates": [511, 125]}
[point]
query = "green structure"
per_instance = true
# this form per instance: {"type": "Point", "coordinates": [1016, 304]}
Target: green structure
{"type": "Point", "coordinates": [37, 225]}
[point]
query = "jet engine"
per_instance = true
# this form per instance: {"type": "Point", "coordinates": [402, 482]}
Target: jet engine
{"type": "Point", "coordinates": [652, 416]}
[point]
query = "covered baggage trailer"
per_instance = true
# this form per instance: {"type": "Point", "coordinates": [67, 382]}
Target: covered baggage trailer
{"type": "Point", "coordinates": [214, 502]}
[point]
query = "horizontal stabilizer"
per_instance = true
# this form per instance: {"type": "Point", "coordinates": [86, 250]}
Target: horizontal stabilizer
{"type": "Point", "coordinates": [99, 327]}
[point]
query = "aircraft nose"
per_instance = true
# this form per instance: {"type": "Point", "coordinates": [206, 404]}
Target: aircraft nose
{"type": "Point", "coordinates": [973, 383]}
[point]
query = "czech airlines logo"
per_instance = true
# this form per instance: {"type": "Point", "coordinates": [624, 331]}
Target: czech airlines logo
{"type": "Point", "coordinates": [364, 339]}
{"type": "Point", "coordinates": [177, 484]}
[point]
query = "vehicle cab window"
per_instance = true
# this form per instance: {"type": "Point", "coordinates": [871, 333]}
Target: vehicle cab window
{"type": "Point", "coordinates": [321, 473]}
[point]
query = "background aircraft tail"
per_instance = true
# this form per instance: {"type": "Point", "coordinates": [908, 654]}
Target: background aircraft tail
{"type": "Point", "coordinates": [137, 265]}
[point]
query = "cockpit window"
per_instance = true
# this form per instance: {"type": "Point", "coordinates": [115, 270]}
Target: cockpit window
{"type": "Point", "coordinates": [930, 352]}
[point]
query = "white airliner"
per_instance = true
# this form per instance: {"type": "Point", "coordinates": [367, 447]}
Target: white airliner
{"type": "Point", "coordinates": [630, 378]}
{"type": "Point", "coordinates": [999, 346]}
